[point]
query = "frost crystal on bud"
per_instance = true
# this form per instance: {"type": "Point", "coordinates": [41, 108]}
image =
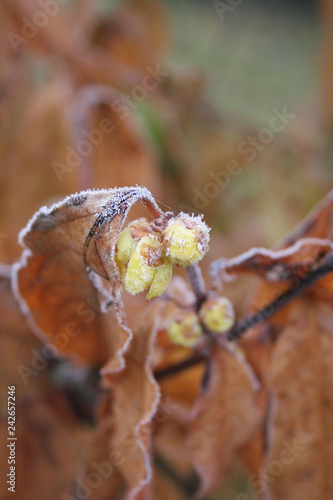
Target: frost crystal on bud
{"type": "Point", "coordinates": [217, 314]}
{"type": "Point", "coordinates": [185, 240]}
{"type": "Point", "coordinates": [186, 330]}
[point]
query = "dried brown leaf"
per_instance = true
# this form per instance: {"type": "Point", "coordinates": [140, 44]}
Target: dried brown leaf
{"type": "Point", "coordinates": [300, 380]}
{"type": "Point", "coordinates": [69, 251]}
{"type": "Point", "coordinates": [18, 344]}
{"type": "Point", "coordinates": [135, 400]}
{"type": "Point", "coordinates": [46, 451]}
{"type": "Point", "coordinates": [225, 417]}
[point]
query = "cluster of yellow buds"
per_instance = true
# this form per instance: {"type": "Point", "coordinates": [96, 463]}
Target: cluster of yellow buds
{"type": "Point", "coordinates": [216, 315]}
{"type": "Point", "coordinates": [146, 252]}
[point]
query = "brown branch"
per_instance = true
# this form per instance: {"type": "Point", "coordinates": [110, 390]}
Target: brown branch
{"type": "Point", "coordinates": [244, 324]}
{"type": "Point", "coordinates": [172, 370]}
{"type": "Point", "coordinates": [197, 283]}
{"type": "Point", "coordinates": [301, 286]}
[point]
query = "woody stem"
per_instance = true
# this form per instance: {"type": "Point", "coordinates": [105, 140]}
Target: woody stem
{"type": "Point", "coordinates": [244, 324]}
{"type": "Point", "coordinates": [197, 283]}
{"type": "Point", "coordinates": [300, 286]}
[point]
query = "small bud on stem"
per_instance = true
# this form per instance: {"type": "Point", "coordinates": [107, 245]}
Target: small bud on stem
{"type": "Point", "coordinates": [217, 314]}
{"type": "Point", "coordinates": [185, 330]}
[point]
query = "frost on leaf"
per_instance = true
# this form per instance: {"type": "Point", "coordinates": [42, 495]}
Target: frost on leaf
{"type": "Point", "coordinates": [279, 265]}
{"type": "Point", "coordinates": [69, 249]}
{"type": "Point", "coordinates": [135, 398]}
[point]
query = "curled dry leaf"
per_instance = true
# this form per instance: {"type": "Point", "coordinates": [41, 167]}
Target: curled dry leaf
{"type": "Point", "coordinates": [83, 139]}
{"type": "Point", "coordinates": [299, 253]}
{"type": "Point", "coordinates": [135, 399]}
{"type": "Point", "coordinates": [100, 478]}
{"type": "Point", "coordinates": [69, 250]}
{"type": "Point", "coordinates": [225, 417]}
{"type": "Point", "coordinates": [300, 427]}
{"type": "Point", "coordinates": [283, 265]}
{"type": "Point", "coordinates": [48, 432]}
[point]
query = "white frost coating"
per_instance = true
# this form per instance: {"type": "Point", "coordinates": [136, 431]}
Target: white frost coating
{"type": "Point", "coordinates": [147, 461]}
{"type": "Point", "coordinates": [219, 267]}
{"type": "Point", "coordinates": [199, 223]}
{"type": "Point", "coordinates": [190, 223]}
{"type": "Point", "coordinates": [99, 283]}
{"type": "Point", "coordinates": [135, 194]}
{"type": "Point", "coordinates": [140, 193]}
{"type": "Point", "coordinates": [44, 210]}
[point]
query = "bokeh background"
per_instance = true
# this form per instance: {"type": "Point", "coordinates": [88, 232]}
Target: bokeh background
{"type": "Point", "coordinates": [227, 68]}
{"type": "Point", "coordinates": [179, 96]}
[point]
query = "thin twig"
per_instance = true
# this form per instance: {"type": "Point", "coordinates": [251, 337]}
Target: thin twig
{"type": "Point", "coordinates": [241, 327]}
{"type": "Point", "coordinates": [197, 283]}
{"type": "Point", "coordinates": [177, 368]}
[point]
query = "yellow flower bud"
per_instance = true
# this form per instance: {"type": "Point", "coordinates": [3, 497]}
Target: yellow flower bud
{"type": "Point", "coordinates": [139, 274]}
{"type": "Point", "coordinates": [162, 278]}
{"type": "Point", "coordinates": [186, 330]}
{"type": "Point", "coordinates": [147, 268]}
{"type": "Point", "coordinates": [185, 240]}
{"type": "Point", "coordinates": [125, 246]}
{"type": "Point", "coordinates": [217, 314]}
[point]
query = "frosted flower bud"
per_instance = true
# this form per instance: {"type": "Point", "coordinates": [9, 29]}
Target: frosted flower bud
{"type": "Point", "coordinates": [185, 240]}
{"type": "Point", "coordinates": [139, 274]}
{"type": "Point", "coordinates": [125, 246]}
{"type": "Point", "coordinates": [217, 314]}
{"type": "Point", "coordinates": [128, 240]}
{"type": "Point", "coordinates": [162, 278]}
{"type": "Point", "coordinates": [185, 330]}
{"type": "Point", "coordinates": [147, 266]}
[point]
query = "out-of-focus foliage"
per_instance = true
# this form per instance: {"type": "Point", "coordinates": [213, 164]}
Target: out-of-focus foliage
{"type": "Point", "coordinates": [97, 94]}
